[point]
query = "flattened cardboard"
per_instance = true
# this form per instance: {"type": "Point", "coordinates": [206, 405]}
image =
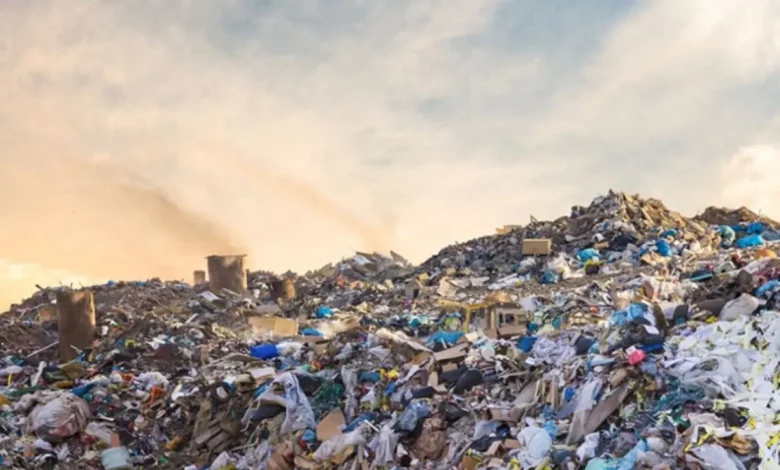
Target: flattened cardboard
{"type": "Point", "coordinates": [330, 426]}
{"type": "Point", "coordinates": [451, 354]}
{"type": "Point", "coordinates": [277, 326]}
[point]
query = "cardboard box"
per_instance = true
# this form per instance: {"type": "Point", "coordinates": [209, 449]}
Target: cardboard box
{"type": "Point", "coordinates": [537, 246]}
{"type": "Point", "coordinates": [451, 354]}
{"type": "Point", "coordinates": [276, 326]}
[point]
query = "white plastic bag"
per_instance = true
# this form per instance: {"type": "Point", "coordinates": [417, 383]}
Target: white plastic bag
{"type": "Point", "coordinates": [299, 413]}
{"type": "Point", "coordinates": [350, 379]}
{"type": "Point", "coordinates": [337, 444]}
{"type": "Point", "coordinates": [587, 450]}
{"type": "Point", "coordinates": [745, 304]}
{"type": "Point", "coordinates": [536, 444]}
{"type": "Point", "coordinates": [60, 418]}
{"type": "Point", "coordinates": [384, 446]}
{"type": "Point", "coordinates": [149, 380]}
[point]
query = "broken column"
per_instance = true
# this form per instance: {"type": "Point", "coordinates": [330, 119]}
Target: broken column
{"type": "Point", "coordinates": [76, 322]}
{"type": "Point", "coordinates": [227, 272]}
{"type": "Point", "coordinates": [199, 277]}
{"type": "Point", "coordinates": [282, 289]}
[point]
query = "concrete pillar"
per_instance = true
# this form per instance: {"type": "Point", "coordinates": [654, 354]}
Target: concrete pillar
{"type": "Point", "coordinates": [76, 322]}
{"type": "Point", "coordinates": [282, 289]}
{"type": "Point", "coordinates": [199, 277]}
{"type": "Point", "coordinates": [227, 272]}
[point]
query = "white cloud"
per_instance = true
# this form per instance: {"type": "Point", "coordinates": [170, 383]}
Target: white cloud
{"type": "Point", "coordinates": [303, 130]}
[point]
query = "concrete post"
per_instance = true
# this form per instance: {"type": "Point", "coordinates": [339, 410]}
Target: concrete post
{"type": "Point", "coordinates": [227, 272]}
{"type": "Point", "coordinates": [76, 322]}
{"type": "Point", "coordinates": [199, 277]}
{"type": "Point", "coordinates": [282, 289]}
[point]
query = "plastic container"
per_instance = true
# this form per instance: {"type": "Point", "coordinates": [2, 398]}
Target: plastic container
{"type": "Point", "coordinates": [116, 458]}
{"type": "Point", "coordinates": [264, 351]}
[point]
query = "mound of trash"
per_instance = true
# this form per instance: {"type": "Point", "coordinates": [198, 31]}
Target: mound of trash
{"type": "Point", "coordinates": [621, 336]}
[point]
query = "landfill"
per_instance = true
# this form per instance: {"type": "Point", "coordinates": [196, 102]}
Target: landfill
{"type": "Point", "coordinates": [623, 335]}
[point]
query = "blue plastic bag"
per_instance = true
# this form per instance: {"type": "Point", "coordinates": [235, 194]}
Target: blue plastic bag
{"type": "Point", "coordinates": [756, 228]}
{"type": "Point", "coordinates": [750, 241]}
{"type": "Point", "coordinates": [526, 344]}
{"type": "Point", "coordinates": [413, 413]}
{"type": "Point", "coordinates": [550, 278]}
{"type": "Point", "coordinates": [663, 247]}
{"type": "Point", "coordinates": [766, 287]}
{"type": "Point", "coordinates": [311, 332]}
{"type": "Point", "coordinates": [672, 232]}
{"type": "Point", "coordinates": [446, 337]}
{"type": "Point", "coordinates": [636, 311]}
{"type": "Point", "coordinates": [587, 254]}
{"type": "Point", "coordinates": [324, 312]}
{"type": "Point", "coordinates": [264, 351]}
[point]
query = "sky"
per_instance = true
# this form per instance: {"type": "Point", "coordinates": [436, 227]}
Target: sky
{"type": "Point", "coordinates": [136, 138]}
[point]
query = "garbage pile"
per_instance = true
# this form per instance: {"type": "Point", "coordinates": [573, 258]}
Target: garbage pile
{"type": "Point", "coordinates": [661, 352]}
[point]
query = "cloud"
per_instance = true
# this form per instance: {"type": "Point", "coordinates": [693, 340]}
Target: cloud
{"type": "Point", "coordinates": [750, 181]}
{"type": "Point", "coordinates": [136, 138]}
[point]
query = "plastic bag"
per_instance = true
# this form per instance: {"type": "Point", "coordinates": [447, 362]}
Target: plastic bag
{"type": "Point", "coordinates": [559, 266]}
{"type": "Point", "coordinates": [384, 446]}
{"type": "Point", "coordinates": [60, 418]}
{"type": "Point", "coordinates": [587, 450]}
{"type": "Point", "coordinates": [536, 445]}
{"type": "Point", "coordinates": [412, 415]}
{"type": "Point", "coordinates": [149, 380]}
{"type": "Point", "coordinates": [336, 445]}
{"type": "Point", "coordinates": [299, 416]}
{"type": "Point", "coordinates": [587, 255]}
{"type": "Point", "coordinates": [750, 241]}
{"type": "Point", "coordinates": [745, 304]}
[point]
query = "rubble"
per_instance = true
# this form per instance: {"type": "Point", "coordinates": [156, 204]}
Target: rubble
{"type": "Point", "coordinates": [621, 336]}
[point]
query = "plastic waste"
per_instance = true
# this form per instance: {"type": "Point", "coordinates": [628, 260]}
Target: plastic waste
{"type": "Point", "coordinates": [149, 380]}
{"type": "Point", "coordinates": [336, 445]}
{"type": "Point", "coordinates": [526, 343]}
{"type": "Point", "coordinates": [663, 247]}
{"type": "Point", "coordinates": [384, 445]}
{"type": "Point", "coordinates": [601, 464]}
{"type": "Point", "coordinates": [727, 235]}
{"type": "Point", "coordinates": [99, 431]}
{"type": "Point", "coordinates": [414, 412]}
{"type": "Point", "coordinates": [716, 457]}
{"type": "Point", "coordinates": [264, 351]}
{"type": "Point", "coordinates": [756, 228]}
{"type": "Point", "coordinates": [750, 241]}
{"type": "Point", "coordinates": [587, 254]}
{"type": "Point", "coordinates": [636, 357]}
{"type": "Point", "coordinates": [767, 287]}
{"type": "Point", "coordinates": [350, 379]}
{"type": "Point", "coordinates": [115, 458]}
{"type": "Point", "coordinates": [311, 332]}
{"type": "Point", "coordinates": [745, 304]}
{"type": "Point", "coordinates": [60, 418]}
{"type": "Point", "coordinates": [324, 312]}
{"type": "Point", "coordinates": [536, 444]}
{"type": "Point", "coordinates": [587, 450]}
{"type": "Point", "coordinates": [559, 266]}
{"type": "Point", "coordinates": [299, 413]}
{"type": "Point", "coordinates": [550, 278]}
{"type": "Point", "coordinates": [445, 337]}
